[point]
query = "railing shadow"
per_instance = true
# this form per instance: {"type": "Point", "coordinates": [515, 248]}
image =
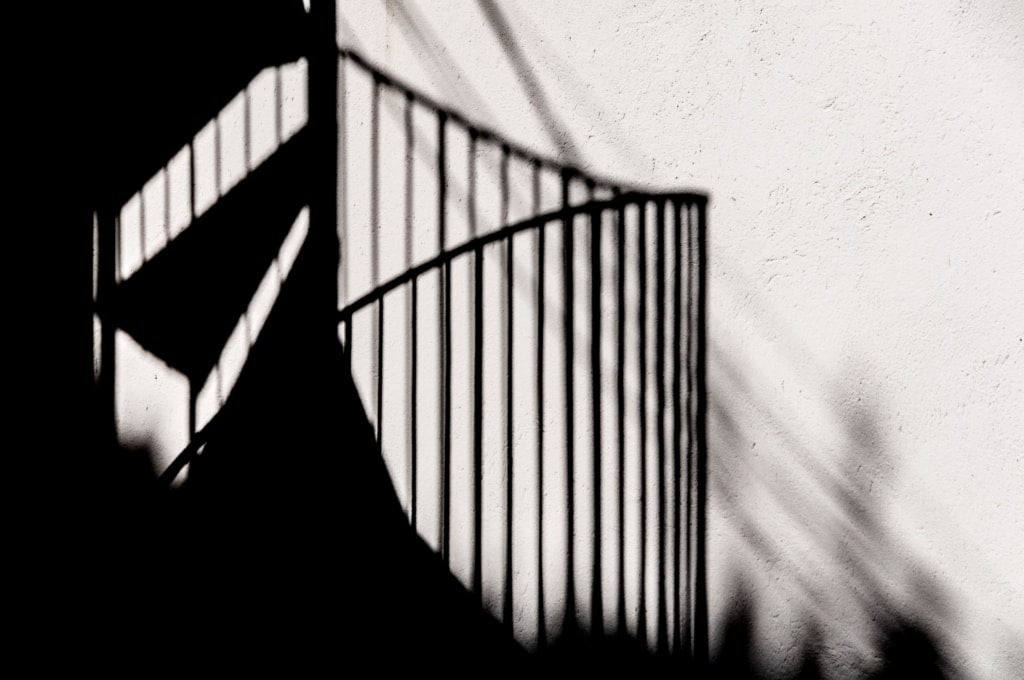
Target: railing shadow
{"type": "Point", "coordinates": [245, 539]}
{"type": "Point", "coordinates": [671, 429]}
{"type": "Point", "coordinates": [472, 285]}
{"type": "Point", "coordinates": [290, 506]}
{"type": "Point", "coordinates": [289, 542]}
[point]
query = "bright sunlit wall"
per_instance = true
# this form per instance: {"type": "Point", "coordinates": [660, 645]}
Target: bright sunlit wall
{"type": "Point", "coordinates": [866, 354]}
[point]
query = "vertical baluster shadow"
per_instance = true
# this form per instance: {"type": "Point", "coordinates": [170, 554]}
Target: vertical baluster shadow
{"type": "Point", "coordinates": [478, 372]}
{"type": "Point", "coordinates": [507, 611]}
{"type": "Point", "coordinates": [596, 605]}
{"type": "Point", "coordinates": [380, 374]}
{"type": "Point", "coordinates": [541, 623]}
{"type": "Point", "coordinates": [688, 598]}
{"type": "Point", "coordinates": [620, 404]}
{"type": "Point", "coordinates": [642, 407]}
{"type": "Point", "coordinates": [569, 331]}
{"type": "Point", "coordinates": [193, 388]}
{"type": "Point", "coordinates": [659, 372]}
{"type": "Point", "coordinates": [414, 401]}
{"type": "Point", "coordinates": [677, 433]}
{"type": "Point", "coordinates": [700, 605]}
{"type": "Point", "coordinates": [446, 373]}
{"type": "Point", "coordinates": [375, 182]}
{"type": "Point", "coordinates": [662, 424]}
{"type": "Point", "coordinates": [412, 311]}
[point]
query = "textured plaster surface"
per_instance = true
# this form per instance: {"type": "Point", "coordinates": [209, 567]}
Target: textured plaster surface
{"type": "Point", "coordinates": [866, 167]}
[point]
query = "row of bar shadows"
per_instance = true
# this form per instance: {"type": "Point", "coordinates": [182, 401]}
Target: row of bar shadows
{"type": "Point", "coordinates": [680, 411]}
{"type": "Point", "coordinates": [240, 139]}
{"type": "Point", "coordinates": [678, 422]}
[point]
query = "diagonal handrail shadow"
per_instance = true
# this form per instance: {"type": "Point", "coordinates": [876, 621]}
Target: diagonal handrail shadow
{"type": "Point", "coordinates": [262, 482]}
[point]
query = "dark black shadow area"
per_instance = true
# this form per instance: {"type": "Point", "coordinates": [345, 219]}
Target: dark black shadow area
{"type": "Point", "coordinates": [160, 71]}
{"type": "Point", "coordinates": [614, 653]}
{"type": "Point", "coordinates": [294, 513]}
{"type": "Point", "coordinates": [107, 93]}
{"type": "Point", "coordinates": [285, 545]}
{"type": "Point", "coordinates": [907, 649]}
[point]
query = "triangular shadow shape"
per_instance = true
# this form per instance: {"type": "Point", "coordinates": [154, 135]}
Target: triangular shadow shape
{"type": "Point", "coordinates": [184, 303]}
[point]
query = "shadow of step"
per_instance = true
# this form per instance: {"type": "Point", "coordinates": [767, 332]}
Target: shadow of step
{"type": "Point", "coordinates": [184, 303]}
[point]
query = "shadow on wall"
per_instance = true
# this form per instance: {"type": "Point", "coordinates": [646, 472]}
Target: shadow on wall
{"type": "Point", "coordinates": [524, 428]}
{"type": "Point", "coordinates": [285, 546]}
{"type": "Point", "coordinates": [287, 543]}
{"type": "Point", "coordinates": [811, 531]}
{"type": "Point", "coordinates": [893, 629]}
{"type": "Point", "coordinates": [906, 648]}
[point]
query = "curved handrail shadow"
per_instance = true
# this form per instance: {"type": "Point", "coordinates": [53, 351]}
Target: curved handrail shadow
{"type": "Point", "coordinates": [674, 422]}
{"type": "Point", "coordinates": [446, 256]}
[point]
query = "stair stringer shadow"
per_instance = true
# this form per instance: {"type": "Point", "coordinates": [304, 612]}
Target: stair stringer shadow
{"type": "Point", "coordinates": [296, 534]}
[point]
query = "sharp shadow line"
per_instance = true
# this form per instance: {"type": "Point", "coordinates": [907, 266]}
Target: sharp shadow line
{"type": "Point", "coordinates": [568, 275]}
{"type": "Point", "coordinates": [677, 429]}
{"type": "Point", "coordinates": [445, 346]}
{"type": "Point", "coordinates": [700, 606]}
{"type": "Point", "coordinates": [478, 374]}
{"type": "Point", "coordinates": [690, 425]}
{"type": "Point", "coordinates": [642, 361]}
{"type": "Point", "coordinates": [414, 401]}
{"type": "Point", "coordinates": [541, 265]}
{"type": "Point", "coordinates": [507, 604]}
{"type": "Point", "coordinates": [375, 183]}
{"type": "Point", "coordinates": [478, 419]}
{"type": "Point", "coordinates": [620, 402]}
{"type": "Point", "coordinates": [412, 312]}
{"type": "Point", "coordinates": [380, 375]}
{"type": "Point", "coordinates": [659, 372]}
{"type": "Point", "coordinates": [596, 604]}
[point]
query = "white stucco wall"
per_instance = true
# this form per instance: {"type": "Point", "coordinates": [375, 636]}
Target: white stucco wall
{"type": "Point", "coordinates": [866, 334]}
